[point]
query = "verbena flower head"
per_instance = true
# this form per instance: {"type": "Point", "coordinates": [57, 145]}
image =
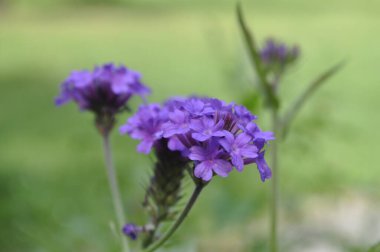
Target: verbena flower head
{"type": "Point", "coordinates": [276, 55]}
{"type": "Point", "coordinates": [104, 91]}
{"type": "Point", "coordinates": [212, 134]}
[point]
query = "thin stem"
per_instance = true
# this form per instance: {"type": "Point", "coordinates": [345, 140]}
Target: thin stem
{"type": "Point", "coordinates": [277, 80]}
{"type": "Point", "coordinates": [112, 180]}
{"type": "Point", "coordinates": [181, 218]}
{"type": "Point", "coordinates": [275, 175]}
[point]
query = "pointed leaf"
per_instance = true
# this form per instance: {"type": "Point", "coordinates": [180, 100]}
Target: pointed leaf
{"type": "Point", "coordinates": [311, 88]}
{"type": "Point", "coordinates": [255, 58]}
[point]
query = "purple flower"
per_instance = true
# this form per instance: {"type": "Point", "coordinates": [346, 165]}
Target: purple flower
{"type": "Point", "coordinates": [205, 128]}
{"type": "Point", "coordinates": [239, 147]}
{"type": "Point", "coordinates": [145, 125]}
{"type": "Point", "coordinates": [132, 230]}
{"type": "Point", "coordinates": [178, 124]}
{"type": "Point", "coordinates": [194, 106]}
{"type": "Point", "coordinates": [209, 160]}
{"type": "Point", "coordinates": [105, 90]}
{"type": "Point", "coordinates": [213, 135]}
{"type": "Point", "coordinates": [260, 137]}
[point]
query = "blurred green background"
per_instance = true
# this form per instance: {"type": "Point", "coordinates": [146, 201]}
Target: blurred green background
{"type": "Point", "coordinates": [53, 189]}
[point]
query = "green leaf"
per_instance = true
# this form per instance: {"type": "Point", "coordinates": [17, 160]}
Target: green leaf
{"type": "Point", "coordinates": [271, 98]}
{"type": "Point", "coordinates": [311, 88]}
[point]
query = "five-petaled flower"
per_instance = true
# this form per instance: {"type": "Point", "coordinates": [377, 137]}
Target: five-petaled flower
{"type": "Point", "coordinates": [209, 159]}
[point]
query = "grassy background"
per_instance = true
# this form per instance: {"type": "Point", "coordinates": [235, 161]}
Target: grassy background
{"type": "Point", "coordinates": [53, 191]}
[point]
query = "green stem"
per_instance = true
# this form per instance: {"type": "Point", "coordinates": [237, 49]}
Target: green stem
{"type": "Point", "coordinates": [114, 187]}
{"type": "Point", "coordinates": [275, 175]}
{"type": "Point", "coordinates": [181, 218]}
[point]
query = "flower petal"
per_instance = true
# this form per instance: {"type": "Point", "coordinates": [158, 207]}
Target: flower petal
{"type": "Point", "coordinates": [243, 139]}
{"type": "Point", "coordinates": [266, 135]}
{"type": "Point", "coordinates": [262, 166]}
{"type": "Point", "coordinates": [203, 171]}
{"type": "Point", "coordinates": [200, 136]}
{"type": "Point", "coordinates": [222, 167]}
{"type": "Point", "coordinates": [237, 161]}
{"type": "Point", "coordinates": [249, 151]}
{"type": "Point", "coordinates": [197, 153]}
{"type": "Point", "coordinates": [175, 144]}
{"type": "Point", "coordinates": [145, 146]}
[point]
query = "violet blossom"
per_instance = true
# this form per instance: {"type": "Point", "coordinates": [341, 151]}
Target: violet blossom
{"type": "Point", "coordinates": [104, 91]}
{"type": "Point", "coordinates": [213, 135]}
{"type": "Point", "coordinates": [145, 126]}
{"type": "Point", "coordinates": [209, 160]}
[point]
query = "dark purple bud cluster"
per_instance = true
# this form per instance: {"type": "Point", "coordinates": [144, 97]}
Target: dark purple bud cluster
{"type": "Point", "coordinates": [275, 54]}
{"type": "Point", "coordinates": [215, 136]}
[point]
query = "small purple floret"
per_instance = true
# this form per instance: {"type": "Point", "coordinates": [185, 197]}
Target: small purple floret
{"type": "Point", "coordinates": [209, 159]}
{"type": "Point", "coordinates": [239, 148]}
{"type": "Point", "coordinates": [132, 231]}
{"type": "Point", "coordinates": [205, 128]}
{"type": "Point", "coordinates": [211, 134]}
{"type": "Point", "coordinates": [145, 126]}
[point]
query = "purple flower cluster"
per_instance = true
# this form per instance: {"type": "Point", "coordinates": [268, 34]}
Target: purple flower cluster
{"type": "Point", "coordinates": [105, 90]}
{"type": "Point", "coordinates": [274, 53]}
{"type": "Point", "coordinates": [214, 135]}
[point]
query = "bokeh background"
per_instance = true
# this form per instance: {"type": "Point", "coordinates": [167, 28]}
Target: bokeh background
{"type": "Point", "coordinates": [53, 189]}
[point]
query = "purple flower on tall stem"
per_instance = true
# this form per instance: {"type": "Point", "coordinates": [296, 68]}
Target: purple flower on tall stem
{"type": "Point", "coordinates": [205, 136]}
{"type": "Point", "coordinates": [104, 91]}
